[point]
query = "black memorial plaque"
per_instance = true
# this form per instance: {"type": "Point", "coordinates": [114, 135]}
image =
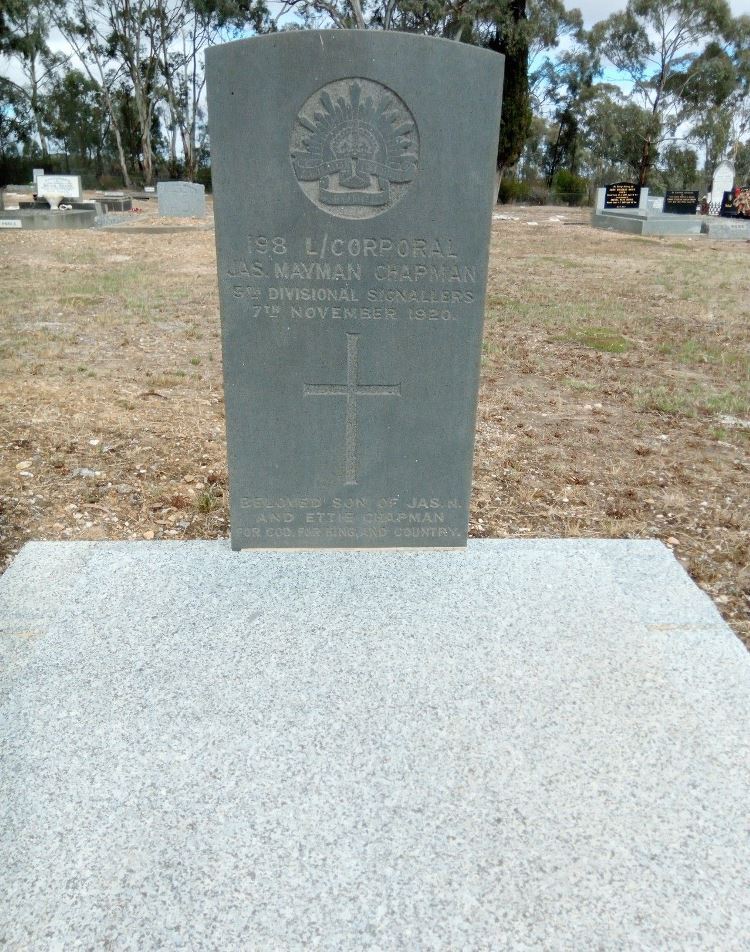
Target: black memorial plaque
{"type": "Point", "coordinates": [622, 195]}
{"type": "Point", "coordinates": [681, 202]}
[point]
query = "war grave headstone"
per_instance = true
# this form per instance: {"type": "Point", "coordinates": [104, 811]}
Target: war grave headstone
{"type": "Point", "coordinates": [681, 202]}
{"type": "Point", "coordinates": [523, 744]}
{"type": "Point", "coordinates": [181, 199]}
{"type": "Point", "coordinates": [352, 235]}
{"type": "Point", "coordinates": [36, 173]}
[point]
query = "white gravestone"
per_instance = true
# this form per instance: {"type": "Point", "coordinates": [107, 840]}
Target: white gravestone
{"type": "Point", "coordinates": [69, 186]}
{"type": "Point", "coordinates": [723, 180]}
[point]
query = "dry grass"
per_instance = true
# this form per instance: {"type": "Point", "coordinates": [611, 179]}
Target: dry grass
{"type": "Point", "coordinates": [616, 374]}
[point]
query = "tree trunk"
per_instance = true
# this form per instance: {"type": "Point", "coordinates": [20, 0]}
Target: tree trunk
{"type": "Point", "coordinates": [516, 119]}
{"type": "Point", "coordinates": [645, 166]}
{"type": "Point", "coordinates": [110, 107]}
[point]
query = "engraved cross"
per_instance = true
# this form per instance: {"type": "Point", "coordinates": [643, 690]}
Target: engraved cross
{"type": "Point", "coordinates": [351, 390]}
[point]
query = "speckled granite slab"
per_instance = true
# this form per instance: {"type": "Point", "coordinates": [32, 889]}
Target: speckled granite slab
{"type": "Point", "coordinates": [526, 745]}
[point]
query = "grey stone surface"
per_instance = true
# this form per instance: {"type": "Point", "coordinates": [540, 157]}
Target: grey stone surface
{"type": "Point", "coordinates": [42, 579]}
{"type": "Point", "coordinates": [39, 219]}
{"type": "Point", "coordinates": [181, 199]}
{"type": "Point", "coordinates": [731, 229]}
{"type": "Point", "coordinates": [522, 745]}
{"type": "Point", "coordinates": [654, 224]}
{"type": "Point", "coordinates": [353, 193]}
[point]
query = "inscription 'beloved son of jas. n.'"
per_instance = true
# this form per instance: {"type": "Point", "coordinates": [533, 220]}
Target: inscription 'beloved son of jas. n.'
{"type": "Point", "coordinates": [352, 238]}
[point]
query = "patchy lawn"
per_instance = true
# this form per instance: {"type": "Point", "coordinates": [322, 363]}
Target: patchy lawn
{"type": "Point", "coordinates": [615, 395]}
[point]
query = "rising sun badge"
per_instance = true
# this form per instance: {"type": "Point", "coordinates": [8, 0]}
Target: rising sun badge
{"type": "Point", "coordinates": [355, 148]}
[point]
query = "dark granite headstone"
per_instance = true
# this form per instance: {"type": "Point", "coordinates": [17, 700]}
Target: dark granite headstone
{"type": "Point", "coordinates": [353, 176]}
{"type": "Point", "coordinates": [622, 195]}
{"type": "Point", "coordinates": [680, 202]}
{"type": "Point", "coordinates": [727, 209]}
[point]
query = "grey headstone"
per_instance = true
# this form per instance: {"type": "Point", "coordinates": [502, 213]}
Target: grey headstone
{"type": "Point", "coordinates": [525, 745]}
{"type": "Point", "coordinates": [354, 177]}
{"type": "Point", "coordinates": [181, 199]}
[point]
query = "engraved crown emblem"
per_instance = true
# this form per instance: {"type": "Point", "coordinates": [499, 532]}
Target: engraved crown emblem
{"type": "Point", "coordinates": [356, 143]}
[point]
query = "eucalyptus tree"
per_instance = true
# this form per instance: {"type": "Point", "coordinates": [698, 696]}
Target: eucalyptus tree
{"type": "Point", "coordinates": [86, 28]}
{"type": "Point", "coordinates": [77, 120]}
{"type": "Point", "coordinates": [654, 43]}
{"type": "Point", "coordinates": [185, 29]}
{"type": "Point", "coordinates": [519, 29]}
{"type": "Point", "coordinates": [566, 88]}
{"type": "Point", "coordinates": [25, 37]}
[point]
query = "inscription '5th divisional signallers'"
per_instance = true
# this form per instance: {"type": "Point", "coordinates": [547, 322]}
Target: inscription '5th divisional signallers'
{"type": "Point", "coordinates": [353, 191]}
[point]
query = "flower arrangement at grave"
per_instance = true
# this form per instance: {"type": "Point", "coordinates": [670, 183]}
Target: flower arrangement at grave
{"type": "Point", "coordinates": [741, 201]}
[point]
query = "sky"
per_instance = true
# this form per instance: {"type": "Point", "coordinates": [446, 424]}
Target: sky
{"type": "Point", "coordinates": [592, 10]}
{"type": "Point", "coordinates": [595, 10]}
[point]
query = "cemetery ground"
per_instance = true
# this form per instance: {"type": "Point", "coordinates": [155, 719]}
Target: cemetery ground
{"type": "Point", "coordinates": [615, 397]}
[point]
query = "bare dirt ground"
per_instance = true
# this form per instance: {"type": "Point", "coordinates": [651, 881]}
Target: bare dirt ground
{"type": "Point", "coordinates": [615, 396]}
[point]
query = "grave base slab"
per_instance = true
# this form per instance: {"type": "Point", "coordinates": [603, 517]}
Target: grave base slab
{"type": "Point", "coordinates": [527, 744]}
{"type": "Point", "coordinates": [40, 220]}
{"type": "Point", "coordinates": [654, 224]}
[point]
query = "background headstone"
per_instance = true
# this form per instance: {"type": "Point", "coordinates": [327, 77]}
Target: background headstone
{"type": "Point", "coordinates": [681, 202]}
{"type": "Point", "coordinates": [67, 185]}
{"type": "Point", "coordinates": [621, 195]}
{"type": "Point", "coordinates": [723, 180]}
{"type": "Point", "coordinates": [353, 189]}
{"type": "Point", "coordinates": [727, 209]}
{"type": "Point", "coordinates": [181, 199]}
{"type": "Point", "coordinates": [36, 173]}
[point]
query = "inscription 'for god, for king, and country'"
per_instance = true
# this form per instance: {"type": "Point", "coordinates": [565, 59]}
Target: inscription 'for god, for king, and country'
{"type": "Point", "coordinates": [353, 190]}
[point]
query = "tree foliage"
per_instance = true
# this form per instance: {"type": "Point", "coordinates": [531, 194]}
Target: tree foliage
{"type": "Point", "coordinates": [127, 96]}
